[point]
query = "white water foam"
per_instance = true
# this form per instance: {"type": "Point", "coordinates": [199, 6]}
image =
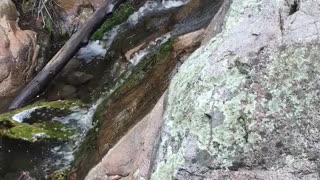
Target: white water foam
{"type": "Point", "coordinates": [150, 6]}
{"type": "Point", "coordinates": [173, 3]}
{"type": "Point", "coordinates": [109, 37]}
{"type": "Point", "coordinates": [20, 117]}
{"type": "Point", "coordinates": [96, 49]}
{"type": "Point", "coordinates": [82, 119]}
{"type": "Point", "coordinates": [91, 51]}
{"type": "Point", "coordinates": [110, 7]}
{"type": "Point", "coordinates": [138, 56]}
{"type": "Point", "coordinates": [147, 7]}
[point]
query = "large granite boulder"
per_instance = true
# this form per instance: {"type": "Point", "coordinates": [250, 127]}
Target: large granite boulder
{"type": "Point", "coordinates": [246, 104]}
{"type": "Point", "coordinates": [18, 52]}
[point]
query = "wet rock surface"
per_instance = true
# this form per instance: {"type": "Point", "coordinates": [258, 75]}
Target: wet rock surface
{"type": "Point", "coordinates": [244, 105]}
{"type": "Point", "coordinates": [132, 87]}
{"type": "Point", "coordinates": [131, 156]}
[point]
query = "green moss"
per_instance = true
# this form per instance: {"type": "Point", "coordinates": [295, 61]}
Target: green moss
{"type": "Point", "coordinates": [49, 25]}
{"type": "Point", "coordinates": [118, 17]}
{"type": "Point", "coordinates": [60, 175]}
{"type": "Point", "coordinates": [59, 104]}
{"type": "Point", "coordinates": [38, 132]}
{"type": "Point", "coordinates": [46, 130]}
{"type": "Point", "coordinates": [62, 105]}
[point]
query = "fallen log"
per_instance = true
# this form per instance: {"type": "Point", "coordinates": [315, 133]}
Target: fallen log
{"type": "Point", "coordinates": [57, 63]}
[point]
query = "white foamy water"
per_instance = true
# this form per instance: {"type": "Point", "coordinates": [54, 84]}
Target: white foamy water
{"type": "Point", "coordinates": [20, 117]}
{"type": "Point", "coordinates": [147, 7]}
{"type": "Point", "coordinates": [96, 49]}
{"type": "Point", "coordinates": [151, 6]}
{"type": "Point", "coordinates": [91, 51]}
{"type": "Point", "coordinates": [172, 3]}
{"type": "Point", "coordinates": [110, 8]}
{"type": "Point", "coordinates": [138, 56]}
{"type": "Point", "coordinates": [81, 119]}
{"type": "Point", "coordinates": [109, 37]}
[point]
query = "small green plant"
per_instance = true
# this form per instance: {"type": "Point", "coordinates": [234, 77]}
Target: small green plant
{"type": "Point", "coordinates": [118, 17]}
{"type": "Point", "coordinates": [48, 24]}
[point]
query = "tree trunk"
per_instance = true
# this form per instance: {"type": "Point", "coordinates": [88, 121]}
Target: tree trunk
{"type": "Point", "coordinates": [57, 63]}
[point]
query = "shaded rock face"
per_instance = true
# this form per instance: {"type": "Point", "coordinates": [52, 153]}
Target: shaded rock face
{"type": "Point", "coordinates": [131, 157]}
{"type": "Point", "coordinates": [18, 51]}
{"type": "Point", "coordinates": [245, 104]}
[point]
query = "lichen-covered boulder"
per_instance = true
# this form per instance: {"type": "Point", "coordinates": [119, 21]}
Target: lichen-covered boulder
{"type": "Point", "coordinates": [246, 104]}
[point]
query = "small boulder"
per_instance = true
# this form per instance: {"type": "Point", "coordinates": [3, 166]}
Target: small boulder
{"type": "Point", "coordinates": [61, 91]}
{"type": "Point", "coordinates": [78, 78]}
{"type": "Point", "coordinates": [68, 91]}
{"type": "Point", "coordinates": [188, 41]}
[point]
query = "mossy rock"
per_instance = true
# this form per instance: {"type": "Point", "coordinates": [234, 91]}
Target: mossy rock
{"type": "Point", "coordinates": [118, 17]}
{"type": "Point", "coordinates": [42, 127]}
{"type": "Point", "coordinates": [39, 132]}
{"type": "Point", "coordinates": [60, 175]}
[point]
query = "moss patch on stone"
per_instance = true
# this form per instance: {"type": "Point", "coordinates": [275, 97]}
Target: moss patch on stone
{"type": "Point", "coordinates": [60, 175]}
{"type": "Point", "coordinates": [62, 105]}
{"type": "Point", "coordinates": [38, 132]}
{"type": "Point", "coordinates": [118, 17]}
{"type": "Point", "coordinates": [41, 129]}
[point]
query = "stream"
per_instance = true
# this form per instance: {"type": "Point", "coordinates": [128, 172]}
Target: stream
{"type": "Point", "coordinates": [129, 69]}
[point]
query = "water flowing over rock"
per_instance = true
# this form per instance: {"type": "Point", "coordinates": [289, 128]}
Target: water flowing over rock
{"type": "Point", "coordinates": [139, 65]}
{"type": "Point", "coordinates": [18, 52]}
{"type": "Point", "coordinates": [131, 156]}
{"type": "Point", "coordinates": [245, 104]}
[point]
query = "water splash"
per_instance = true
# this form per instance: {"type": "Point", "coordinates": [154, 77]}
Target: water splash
{"type": "Point", "coordinates": [91, 51]}
{"type": "Point", "coordinates": [110, 36]}
{"type": "Point", "coordinates": [138, 56]}
{"type": "Point", "coordinates": [173, 3]}
{"type": "Point", "coordinates": [153, 6]}
{"type": "Point", "coordinates": [81, 119]}
{"type": "Point", "coordinates": [20, 117]}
